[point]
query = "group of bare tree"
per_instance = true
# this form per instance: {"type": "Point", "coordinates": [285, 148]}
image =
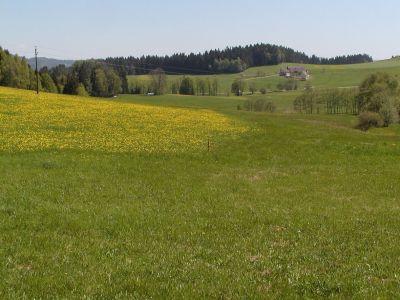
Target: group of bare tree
{"type": "Point", "coordinates": [329, 101]}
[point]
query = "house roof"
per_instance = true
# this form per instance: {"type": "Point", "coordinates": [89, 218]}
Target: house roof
{"type": "Point", "coordinates": [296, 69]}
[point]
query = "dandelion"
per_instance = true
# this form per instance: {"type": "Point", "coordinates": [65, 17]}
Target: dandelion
{"type": "Point", "coordinates": [30, 122]}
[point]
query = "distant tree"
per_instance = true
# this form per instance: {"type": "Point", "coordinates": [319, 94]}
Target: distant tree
{"type": "Point", "coordinates": [201, 86]}
{"type": "Point", "coordinates": [228, 60]}
{"type": "Point", "coordinates": [367, 120]}
{"type": "Point", "coordinates": [230, 65]}
{"type": "Point", "coordinates": [47, 82]}
{"type": "Point", "coordinates": [158, 81]}
{"type": "Point", "coordinates": [187, 86]}
{"type": "Point", "coordinates": [59, 74]}
{"type": "Point", "coordinates": [259, 105]}
{"type": "Point", "coordinates": [208, 86]}
{"type": "Point", "coordinates": [98, 79]}
{"type": "Point", "coordinates": [100, 86]}
{"type": "Point", "coordinates": [15, 71]}
{"type": "Point", "coordinates": [374, 89]}
{"type": "Point", "coordinates": [114, 83]}
{"type": "Point", "coordinates": [81, 91]}
{"type": "Point", "coordinates": [71, 84]}
{"type": "Point", "coordinates": [252, 87]}
{"type": "Point", "coordinates": [287, 85]}
{"type": "Point", "coordinates": [389, 109]}
{"type": "Point", "coordinates": [84, 71]}
{"type": "Point", "coordinates": [330, 101]}
{"type": "Point", "coordinates": [215, 87]}
{"type": "Point", "coordinates": [238, 87]}
{"type": "Point", "coordinates": [137, 87]}
{"type": "Point", "coordinates": [175, 85]}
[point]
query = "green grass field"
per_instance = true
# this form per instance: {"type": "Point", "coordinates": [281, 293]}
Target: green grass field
{"type": "Point", "coordinates": [283, 205]}
{"type": "Point", "coordinates": [322, 76]}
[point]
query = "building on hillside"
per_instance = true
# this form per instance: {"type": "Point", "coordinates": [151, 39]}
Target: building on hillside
{"type": "Point", "coordinates": [295, 72]}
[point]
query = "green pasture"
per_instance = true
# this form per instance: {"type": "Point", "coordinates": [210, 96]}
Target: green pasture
{"type": "Point", "coordinates": [295, 207]}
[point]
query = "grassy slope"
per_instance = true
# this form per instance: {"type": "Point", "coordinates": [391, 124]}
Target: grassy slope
{"type": "Point", "coordinates": [299, 206]}
{"type": "Point", "coordinates": [322, 76]}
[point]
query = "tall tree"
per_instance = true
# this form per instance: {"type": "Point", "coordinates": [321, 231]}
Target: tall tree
{"type": "Point", "coordinates": [215, 87]}
{"type": "Point", "coordinates": [114, 83]}
{"type": "Point", "coordinates": [100, 86]}
{"type": "Point", "coordinates": [187, 86]}
{"type": "Point", "coordinates": [239, 86]}
{"type": "Point", "coordinates": [15, 71]}
{"type": "Point", "coordinates": [158, 81]}
{"type": "Point", "coordinates": [48, 84]}
{"type": "Point", "coordinates": [252, 87]}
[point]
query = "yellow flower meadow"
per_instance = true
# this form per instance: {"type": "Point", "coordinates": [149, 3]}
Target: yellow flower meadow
{"type": "Point", "coordinates": [30, 122]}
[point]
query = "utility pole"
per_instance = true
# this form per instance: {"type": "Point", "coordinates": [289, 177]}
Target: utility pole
{"type": "Point", "coordinates": [37, 72]}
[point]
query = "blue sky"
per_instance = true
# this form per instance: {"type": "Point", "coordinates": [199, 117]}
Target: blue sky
{"type": "Point", "coordinates": [98, 28]}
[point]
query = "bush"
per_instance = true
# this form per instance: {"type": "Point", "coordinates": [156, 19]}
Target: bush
{"type": "Point", "coordinates": [260, 105]}
{"type": "Point", "coordinates": [287, 85]}
{"type": "Point", "coordinates": [389, 111]}
{"type": "Point", "coordinates": [376, 89]}
{"type": "Point", "coordinates": [270, 107]}
{"type": "Point", "coordinates": [263, 91]}
{"type": "Point", "coordinates": [187, 86]}
{"type": "Point", "coordinates": [367, 120]}
{"type": "Point", "coordinates": [81, 91]}
{"type": "Point", "coordinates": [238, 87]}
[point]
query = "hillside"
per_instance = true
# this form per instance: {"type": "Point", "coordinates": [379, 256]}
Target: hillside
{"type": "Point", "coordinates": [142, 197]}
{"type": "Point", "coordinates": [228, 60]}
{"type": "Point", "coordinates": [33, 122]}
{"type": "Point", "coordinates": [322, 76]}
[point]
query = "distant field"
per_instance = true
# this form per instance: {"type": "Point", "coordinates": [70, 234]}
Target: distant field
{"type": "Point", "coordinates": [322, 76]}
{"type": "Point", "coordinates": [116, 199]}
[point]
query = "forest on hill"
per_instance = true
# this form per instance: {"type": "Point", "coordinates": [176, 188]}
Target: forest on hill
{"type": "Point", "coordinates": [229, 60]}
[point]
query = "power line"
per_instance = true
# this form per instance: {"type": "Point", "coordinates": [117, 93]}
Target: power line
{"type": "Point", "coordinates": [152, 69]}
{"type": "Point", "coordinates": [102, 60]}
{"type": "Point", "coordinates": [140, 68]}
{"type": "Point", "coordinates": [193, 70]}
{"type": "Point", "coordinates": [182, 68]}
{"type": "Point", "coordinates": [125, 66]}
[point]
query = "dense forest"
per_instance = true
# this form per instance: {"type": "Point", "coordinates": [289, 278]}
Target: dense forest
{"type": "Point", "coordinates": [107, 77]}
{"type": "Point", "coordinates": [230, 60]}
{"type": "Point", "coordinates": [15, 71]}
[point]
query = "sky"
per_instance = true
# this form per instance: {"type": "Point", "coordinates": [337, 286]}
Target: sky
{"type": "Point", "coordinates": [78, 29]}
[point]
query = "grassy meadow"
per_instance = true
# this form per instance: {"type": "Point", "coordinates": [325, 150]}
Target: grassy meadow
{"type": "Point", "coordinates": [322, 76]}
{"type": "Point", "coordinates": [124, 198]}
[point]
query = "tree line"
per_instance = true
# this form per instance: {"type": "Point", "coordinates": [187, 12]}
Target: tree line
{"type": "Point", "coordinates": [86, 78]}
{"type": "Point", "coordinates": [229, 60]}
{"type": "Point", "coordinates": [90, 77]}
{"type": "Point", "coordinates": [158, 85]}
{"type": "Point", "coordinates": [329, 101]}
{"type": "Point", "coordinates": [15, 71]}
